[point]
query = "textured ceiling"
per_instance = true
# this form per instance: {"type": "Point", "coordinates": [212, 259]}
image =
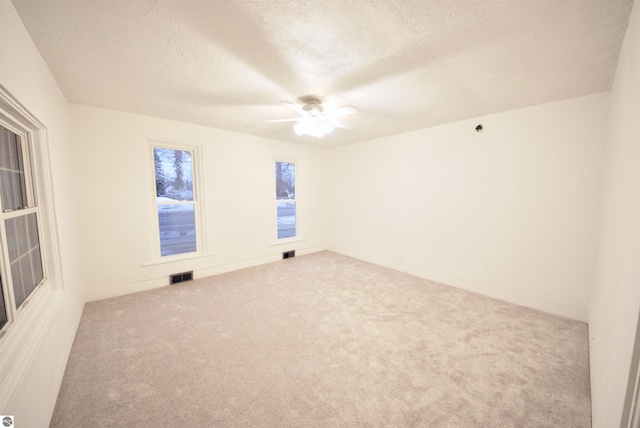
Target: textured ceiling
{"type": "Point", "coordinates": [405, 64]}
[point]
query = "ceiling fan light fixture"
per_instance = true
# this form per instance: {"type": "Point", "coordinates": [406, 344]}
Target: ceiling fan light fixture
{"type": "Point", "coordinates": [315, 121]}
{"type": "Point", "coordinates": [314, 126]}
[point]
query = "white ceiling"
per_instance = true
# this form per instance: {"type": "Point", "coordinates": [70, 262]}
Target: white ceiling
{"type": "Point", "coordinates": [405, 64]}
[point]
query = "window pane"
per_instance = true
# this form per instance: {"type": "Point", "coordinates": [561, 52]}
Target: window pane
{"type": "Point", "coordinates": [24, 255]}
{"type": "Point", "coordinates": [174, 175]}
{"type": "Point", "coordinates": [12, 184]}
{"type": "Point", "coordinates": [12, 240]}
{"type": "Point", "coordinates": [3, 310]}
{"type": "Point", "coordinates": [286, 219]}
{"type": "Point", "coordinates": [285, 180]}
{"type": "Point", "coordinates": [22, 238]}
{"type": "Point", "coordinates": [36, 267]}
{"type": "Point", "coordinates": [177, 229]}
{"type": "Point", "coordinates": [16, 277]}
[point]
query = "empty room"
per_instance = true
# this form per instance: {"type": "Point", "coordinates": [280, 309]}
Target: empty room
{"type": "Point", "coordinates": [301, 214]}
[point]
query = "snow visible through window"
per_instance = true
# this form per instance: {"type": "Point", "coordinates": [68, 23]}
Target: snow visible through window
{"type": "Point", "coordinates": [175, 201]}
{"type": "Point", "coordinates": [286, 199]}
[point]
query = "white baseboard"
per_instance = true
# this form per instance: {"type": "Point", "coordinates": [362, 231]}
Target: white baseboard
{"type": "Point", "coordinates": [481, 286]}
{"type": "Point", "coordinates": [100, 293]}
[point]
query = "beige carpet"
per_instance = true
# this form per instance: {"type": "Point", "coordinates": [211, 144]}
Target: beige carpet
{"type": "Point", "coordinates": [322, 341]}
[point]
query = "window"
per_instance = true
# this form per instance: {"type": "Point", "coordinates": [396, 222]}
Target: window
{"type": "Point", "coordinates": [21, 260]}
{"type": "Point", "coordinates": [175, 201]}
{"type": "Point", "coordinates": [286, 199]}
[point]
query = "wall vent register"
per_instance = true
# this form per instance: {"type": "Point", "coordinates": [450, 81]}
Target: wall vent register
{"type": "Point", "coordinates": [181, 277]}
{"type": "Point", "coordinates": [288, 254]}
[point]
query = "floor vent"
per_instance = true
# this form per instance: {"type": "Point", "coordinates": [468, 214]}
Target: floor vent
{"type": "Point", "coordinates": [288, 254]}
{"type": "Point", "coordinates": [181, 277]}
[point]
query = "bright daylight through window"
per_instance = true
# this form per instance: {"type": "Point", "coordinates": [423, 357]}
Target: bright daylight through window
{"type": "Point", "coordinates": [286, 199]}
{"type": "Point", "coordinates": [175, 202]}
{"type": "Point", "coordinates": [22, 269]}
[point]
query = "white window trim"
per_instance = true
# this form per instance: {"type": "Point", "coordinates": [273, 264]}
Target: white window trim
{"type": "Point", "coordinates": [285, 241]}
{"type": "Point", "coordinates": [21, 335]}
{"type": "Point", "coordinates": [198, 185]}
{"type": "Point", "coordinates": [19, 120]}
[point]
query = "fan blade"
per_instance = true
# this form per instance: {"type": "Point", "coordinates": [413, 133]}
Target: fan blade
{"type": "Point", "coordinates": [283, 120]}
{"type": "Point", "coordinates": [341, 111]}
{"type": "Point", "coordinates": [295, 108]}
{"type": "Point", "coordinates": [342, 125]}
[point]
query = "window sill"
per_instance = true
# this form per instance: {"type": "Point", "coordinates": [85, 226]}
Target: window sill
{"type": "Point", "coordinates": [180, 258]}
{"type": "Point", "coordinates": [287, 241]}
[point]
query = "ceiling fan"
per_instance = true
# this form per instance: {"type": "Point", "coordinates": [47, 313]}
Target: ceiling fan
{"type": "Point", "coordinates": [314, 120]}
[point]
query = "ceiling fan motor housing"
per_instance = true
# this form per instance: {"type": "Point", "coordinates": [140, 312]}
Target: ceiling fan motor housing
{"type": "Point", "coordinates": [313, 107]}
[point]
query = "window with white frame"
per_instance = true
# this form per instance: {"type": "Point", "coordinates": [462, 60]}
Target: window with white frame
{"type": "Point", "coordinates": [175, 200]}
{"type": "Point", "coordinates": [286, 199]}
{"type": "Point", "coordinates": [21, 255]}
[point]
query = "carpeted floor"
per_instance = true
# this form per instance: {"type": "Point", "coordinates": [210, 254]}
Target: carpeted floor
{"type": "Point", "coordinates": [322, 340]}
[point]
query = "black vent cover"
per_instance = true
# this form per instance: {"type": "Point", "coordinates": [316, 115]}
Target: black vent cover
{"type": "Point", "coordinates": [181, 277]}
{"type": "Point", "coordinates": [288, 254]}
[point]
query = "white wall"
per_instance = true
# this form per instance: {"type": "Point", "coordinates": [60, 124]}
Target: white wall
{"type": "Point", "coordinates": [510, 212]}
{"type": "Point", "coordinates": [613, 311]}
{"type": "Point", "coordinates": [115, 183]}
{"type": "Point", "coordinates": [25, 75]}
